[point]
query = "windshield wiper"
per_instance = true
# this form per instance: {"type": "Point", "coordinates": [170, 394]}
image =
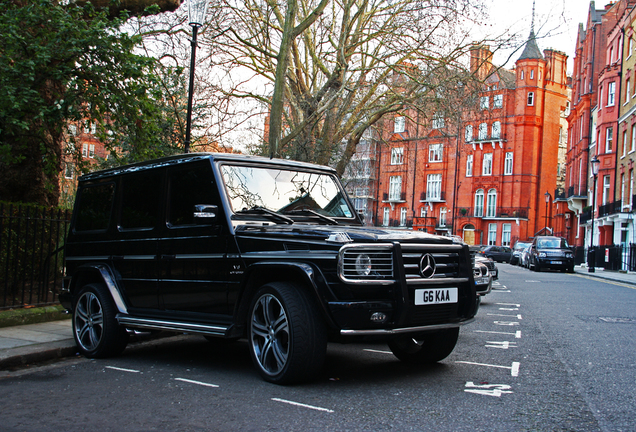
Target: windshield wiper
{"type": "Point", "coordinates": [262, 210]}
{"type": "Point", "coordinates": [327, 219]}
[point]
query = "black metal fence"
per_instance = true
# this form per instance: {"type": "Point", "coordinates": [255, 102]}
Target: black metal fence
{"type": "Point", "coordinates": [31, 254]}
{"type": "Point", "coordinates": [609, 257]}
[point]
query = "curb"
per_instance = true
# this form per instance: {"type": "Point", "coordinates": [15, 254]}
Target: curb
{"type": "Point", "coordinates": [22, 356]}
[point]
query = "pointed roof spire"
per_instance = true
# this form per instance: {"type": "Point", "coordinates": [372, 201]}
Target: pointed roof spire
{"type": "Point", "coordinates": [531, 51]}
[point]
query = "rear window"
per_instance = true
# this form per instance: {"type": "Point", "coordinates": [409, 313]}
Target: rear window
{"type": "Point", "coordinates": [94, 207]}
{"type": "Point", "coordinates": [141, 196]}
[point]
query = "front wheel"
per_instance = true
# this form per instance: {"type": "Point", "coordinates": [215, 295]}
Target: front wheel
{"type": "Point", "coordinates": [287, 338]}
{"type": "Point", "coordinates": [95, 328]}
{"type": "Point", "coordinates": [425, 348]}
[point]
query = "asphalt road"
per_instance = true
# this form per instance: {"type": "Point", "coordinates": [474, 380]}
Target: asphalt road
{"type": "Point", "coordinates": [548, 352]}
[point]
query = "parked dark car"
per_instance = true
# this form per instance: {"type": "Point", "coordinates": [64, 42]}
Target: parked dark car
{"type": "Point", "coordinates": [232, 246]}
{"type": "Point", "coordinates": [488, 262]}
{"type": "Point", "coordinates": [483, 278]}
{"type": "Point", "coordinates": [497, 253]}
{"type": "Point", "coordinates": [551, 252]}
{"type": "Point", "coordinates": [518, 248]}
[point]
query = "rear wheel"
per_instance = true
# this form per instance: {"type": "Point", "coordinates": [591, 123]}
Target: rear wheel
{"type": "Point", "coordinates": [287, 338]}
{"type": "Point", "coordinates": [95, 328]}
{"type": "Point", "coordinates": [425, 348]}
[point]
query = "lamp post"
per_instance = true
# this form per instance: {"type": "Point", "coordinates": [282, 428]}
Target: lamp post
{"type": "Point", "coordinates": [424, 212]}
{"type": "Point", "coordinates": [547, 201]}
{"type": "Point", "coordinates": [196, 12]}
{"type": "Point", "coordinates": [591, 255]}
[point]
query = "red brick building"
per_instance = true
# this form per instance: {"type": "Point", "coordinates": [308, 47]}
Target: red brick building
{"type": "Point", "coordinates": [486, 178]}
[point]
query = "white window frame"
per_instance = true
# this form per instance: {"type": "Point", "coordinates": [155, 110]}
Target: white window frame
{"type": "Point", "coordinates": [85, 150]}
{"type": "Point", "coordinates": [91, 151]}
{"type": "Point", "coordinates": [530, 101]}
{"type": "Point", "coordinates": [438, 121]}
{"type": "Point", "coordinates": [399, 124]}
{"type": "Point", "coordinates": [633, 143]}
{"type": "Point", "coordinates": [483, 131]}
{"type": "Point", "coordinates": [508, 163]}
{"type": "Point", "coordinates": [496, 129]}
{"type": "Point", "coordinates": [435, 152]}
{"type": "Point", "coordinates": [385, 216]}
{"type": "Point", "coordinates": [397, 155]}
{"type": "Point", "coordinates": [486, 166]}
{"type": "Point", "coordinates": [609, 139]}
{"type": "Point", "coordinates": [442, 216]}
{"type": "Point", "coordinates": [484, 103]}
{"type": "Point", "coordinates": [491, 203]}
{"type": "Point", "coordinates": [469, 165]}
{"type": "Point", "coordinates": [611, 93]}
{"type": "Point", "coordinates": [403, 217]}
{"type": "Point", "coordinates": [492, 234]}
{"type": "Point", "coordinates": [606, 189]}
{"type": "Point", "coordinates": [433, 187]}
{"type": "Point", "coordinates": [506, 233]}
{"type": "Point", "coordinates": [479, 203]}
{"type": "Point", "coordinates": [395, 188]}
{"type": "Point", "coordinates": [497, 101]}
{"type": "Point", "coordinates": [468, 133]}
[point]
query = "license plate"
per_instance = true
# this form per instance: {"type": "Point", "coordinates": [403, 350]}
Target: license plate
{"type": "Point", "coordinates": [557, 262]}
{"type": "Point", "coordinates": [435, 296]}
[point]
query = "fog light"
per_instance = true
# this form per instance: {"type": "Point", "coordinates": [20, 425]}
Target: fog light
{"type": "Point", "coordinates": [378, 317]}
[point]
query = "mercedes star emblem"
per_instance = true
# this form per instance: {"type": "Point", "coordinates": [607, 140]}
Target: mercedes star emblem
{"type": "Point", "coordinates": [427, 266]}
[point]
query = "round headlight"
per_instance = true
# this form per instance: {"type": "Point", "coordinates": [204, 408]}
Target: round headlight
{"type": "Point", "coordinates": [541, 254]}
{"type": "Point", "coordinates": [363, 265]}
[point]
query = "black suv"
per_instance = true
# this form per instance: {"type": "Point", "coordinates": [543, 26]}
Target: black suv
{"type": "Point", "coordinates": [233, 246]}
{"type": "Point", "coordinates": [551, 252]}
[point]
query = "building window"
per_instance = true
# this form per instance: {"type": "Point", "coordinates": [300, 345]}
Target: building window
{"type": "Point", "coordinates": [434, 187]}
{"type": "Point", "coordinates": [438, 121]}
{"type": "Point", "coordinates": [479, 203]}
{"type": "Point", "coordinates": [85, 150]}
{"type": "Point", "coordinates": [395, 188]}
{"type": "Point", "coordinates": [622, 190]}
{"type": "Point", "coordinates": [492, 234]}
{"type": "Point", "coordinates": [531, 73]}
{"type": "Point", "coordinates": [397, 156]}
{"type": "Point", "coordinates": [611, 92]}
{"type": "Point", "coordinates": [469, 166]}
{"type": "Point", "coordinates": [91, 151]}
{"type": "Point", "coordinates": [606, 189]}
{"type": "Point", "coordinates": [403, 216]}
{"type": "Point", "coordinates": [423, 212]}
{"type": "Point", "coordinates": [486, 168]}
{"type": "Point", "coordinates": [484, 103]}
{"type": "Point", "coordinates": [68, 170]}
{"type": "Point", "coordinates": [508, 163]}
{"type": "Point", "coordinates": [497, 101]}
{"type": "Point", "coordinates": [435, 152]}
{"type": "Point", "coordinates": [72, 129]}
{"type": "Point", "coordinates": [483, 131]}
{"type": "Point", "coordinates": [627, 90]}
{"type": "Point", "coordinates": [506, 230]}
{"type": "Point", "coordinates": [442, 216]}
{"type": "Point", "coordinates": [468, 133]}
{"type": "Point", "coordinates": [609, 137]}
{"type": "Point", "coordinates": [496, 129]}
{"type": "Point", "coordinates": [522, 75]}
{"type": "Point", "coordinates": [491, 203]}
{"type": "Point", "coordinates": [633, 144]}
{"type": "Point", "coordinates": [631, 188]}
{"type": "Point", "coordinates": [630, 48]}
{"type": "Point", "coordinates": [624, 144]}
{"type": "Point", "coordinates": [399, 124]}
{"type": "Point", "coordinates": [385, 216]}
{"type": "Point", "coordinates": [530, 98]}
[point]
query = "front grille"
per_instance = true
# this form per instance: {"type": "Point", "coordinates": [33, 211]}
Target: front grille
{"type": "Point", "coordinates": [550, 253]}
{"type": "Point", "coordinates": [446, 259]}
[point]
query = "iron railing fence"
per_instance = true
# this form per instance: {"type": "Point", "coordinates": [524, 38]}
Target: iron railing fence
{"type": "Point", "coordinates": [612, 257]}
{"type": "Point", "coordinates": [31, 254]}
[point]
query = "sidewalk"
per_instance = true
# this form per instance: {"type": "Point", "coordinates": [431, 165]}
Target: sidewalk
{"type": "Point", "coordinates": [36, 343]}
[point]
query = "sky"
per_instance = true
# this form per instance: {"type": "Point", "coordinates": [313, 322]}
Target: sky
{"type": "Point", "coordinates": [556, 24]}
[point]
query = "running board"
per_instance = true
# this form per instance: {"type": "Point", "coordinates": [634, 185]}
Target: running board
{"type": "Point", "coordinates": [145, 323]}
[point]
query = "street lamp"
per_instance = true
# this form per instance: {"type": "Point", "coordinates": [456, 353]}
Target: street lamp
{"type": "Point", "coordinates": [424, 212]}
{"type": "Point", "coordinates": [547, 200]}
{"type": "Point", "coordinates": [196, 12]}
{"type": "Point", "coordinates": [591, 255]}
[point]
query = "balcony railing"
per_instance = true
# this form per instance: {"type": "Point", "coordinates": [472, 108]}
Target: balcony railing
{"type": "Point", "coordinates": [393, 197]}
{"type": "Point", "coordinates": [576, 191]}
{"type": "Point", "coordinates": [426, 197]}
{"type": "Point", "coordinates": [500, 213]}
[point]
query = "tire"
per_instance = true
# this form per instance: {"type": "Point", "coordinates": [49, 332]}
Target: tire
{"type": "Point", "coordinates": [95, 328]}
{"type": "Point", "coordinates": [537, 266]}
{"type": "Point", "coordinates": [425, 348]}
{"type": "Point", "coordinates": [287, 338]}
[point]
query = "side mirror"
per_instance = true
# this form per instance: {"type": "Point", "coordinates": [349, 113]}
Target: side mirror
{"type": "Point", "coordinates": [205, 211]}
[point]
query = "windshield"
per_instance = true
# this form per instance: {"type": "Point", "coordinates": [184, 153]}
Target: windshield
{"type": "Point", "coordinates": [552, 244]}
{"type": "Point", "coordinates": [284, 191]}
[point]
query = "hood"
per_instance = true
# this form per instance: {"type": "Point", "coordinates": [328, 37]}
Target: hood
{"type": "Point", "coordinates": [355, 234]}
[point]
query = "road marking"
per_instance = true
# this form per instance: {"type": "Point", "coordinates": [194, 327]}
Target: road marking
{"type": "Point", "coordinates": [501, 344]}
{"type": "Point", "coordinates": [302, 405]}
{"type": "Point", "coordinates": [517, 333]}
{"type": "Point", "coordinates": [506, 323]}
{"type": "Point", "coordinates": [377, 351]}
{"type": "Point", "coordinates": [196, 382]}
{"type": "Point", "coordinates": [607, 281]}
{"type": "Point", "coordinates": [514, 369]}
{"type": "Point", "coordinates": [487, 389]}
{"type": "Point", "coordinates": [518, 316]}
{"type": "Point", "coordinates": [508, 304]}
{"type": "Point", "coordinates": [122, 369]}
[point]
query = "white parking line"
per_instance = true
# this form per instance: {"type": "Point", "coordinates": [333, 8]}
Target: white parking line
{"type": "Point", "coordinates": [196, 382]}
{"type": "Point", "coordinates": [122, 369]}
{"type": "Point", "coordinates": [517, 333]}
{"type": "Point", "coordinates": [514, 369]}
{"type": "Point", "coordinates": [302, 405]}
{"type": "Point", "coordinates": [518, 316]}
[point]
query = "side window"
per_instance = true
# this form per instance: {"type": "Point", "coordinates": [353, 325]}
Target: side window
{"type": "Point", "coordinates": [187, 187]}
{"type": "Point", "coordinates": [140, 200]}
{"type": "Point", "coordinates": [94, 207]}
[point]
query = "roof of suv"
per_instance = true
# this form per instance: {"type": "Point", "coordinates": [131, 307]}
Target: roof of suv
{"type": "Point", "coordinates": [188, 157]}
